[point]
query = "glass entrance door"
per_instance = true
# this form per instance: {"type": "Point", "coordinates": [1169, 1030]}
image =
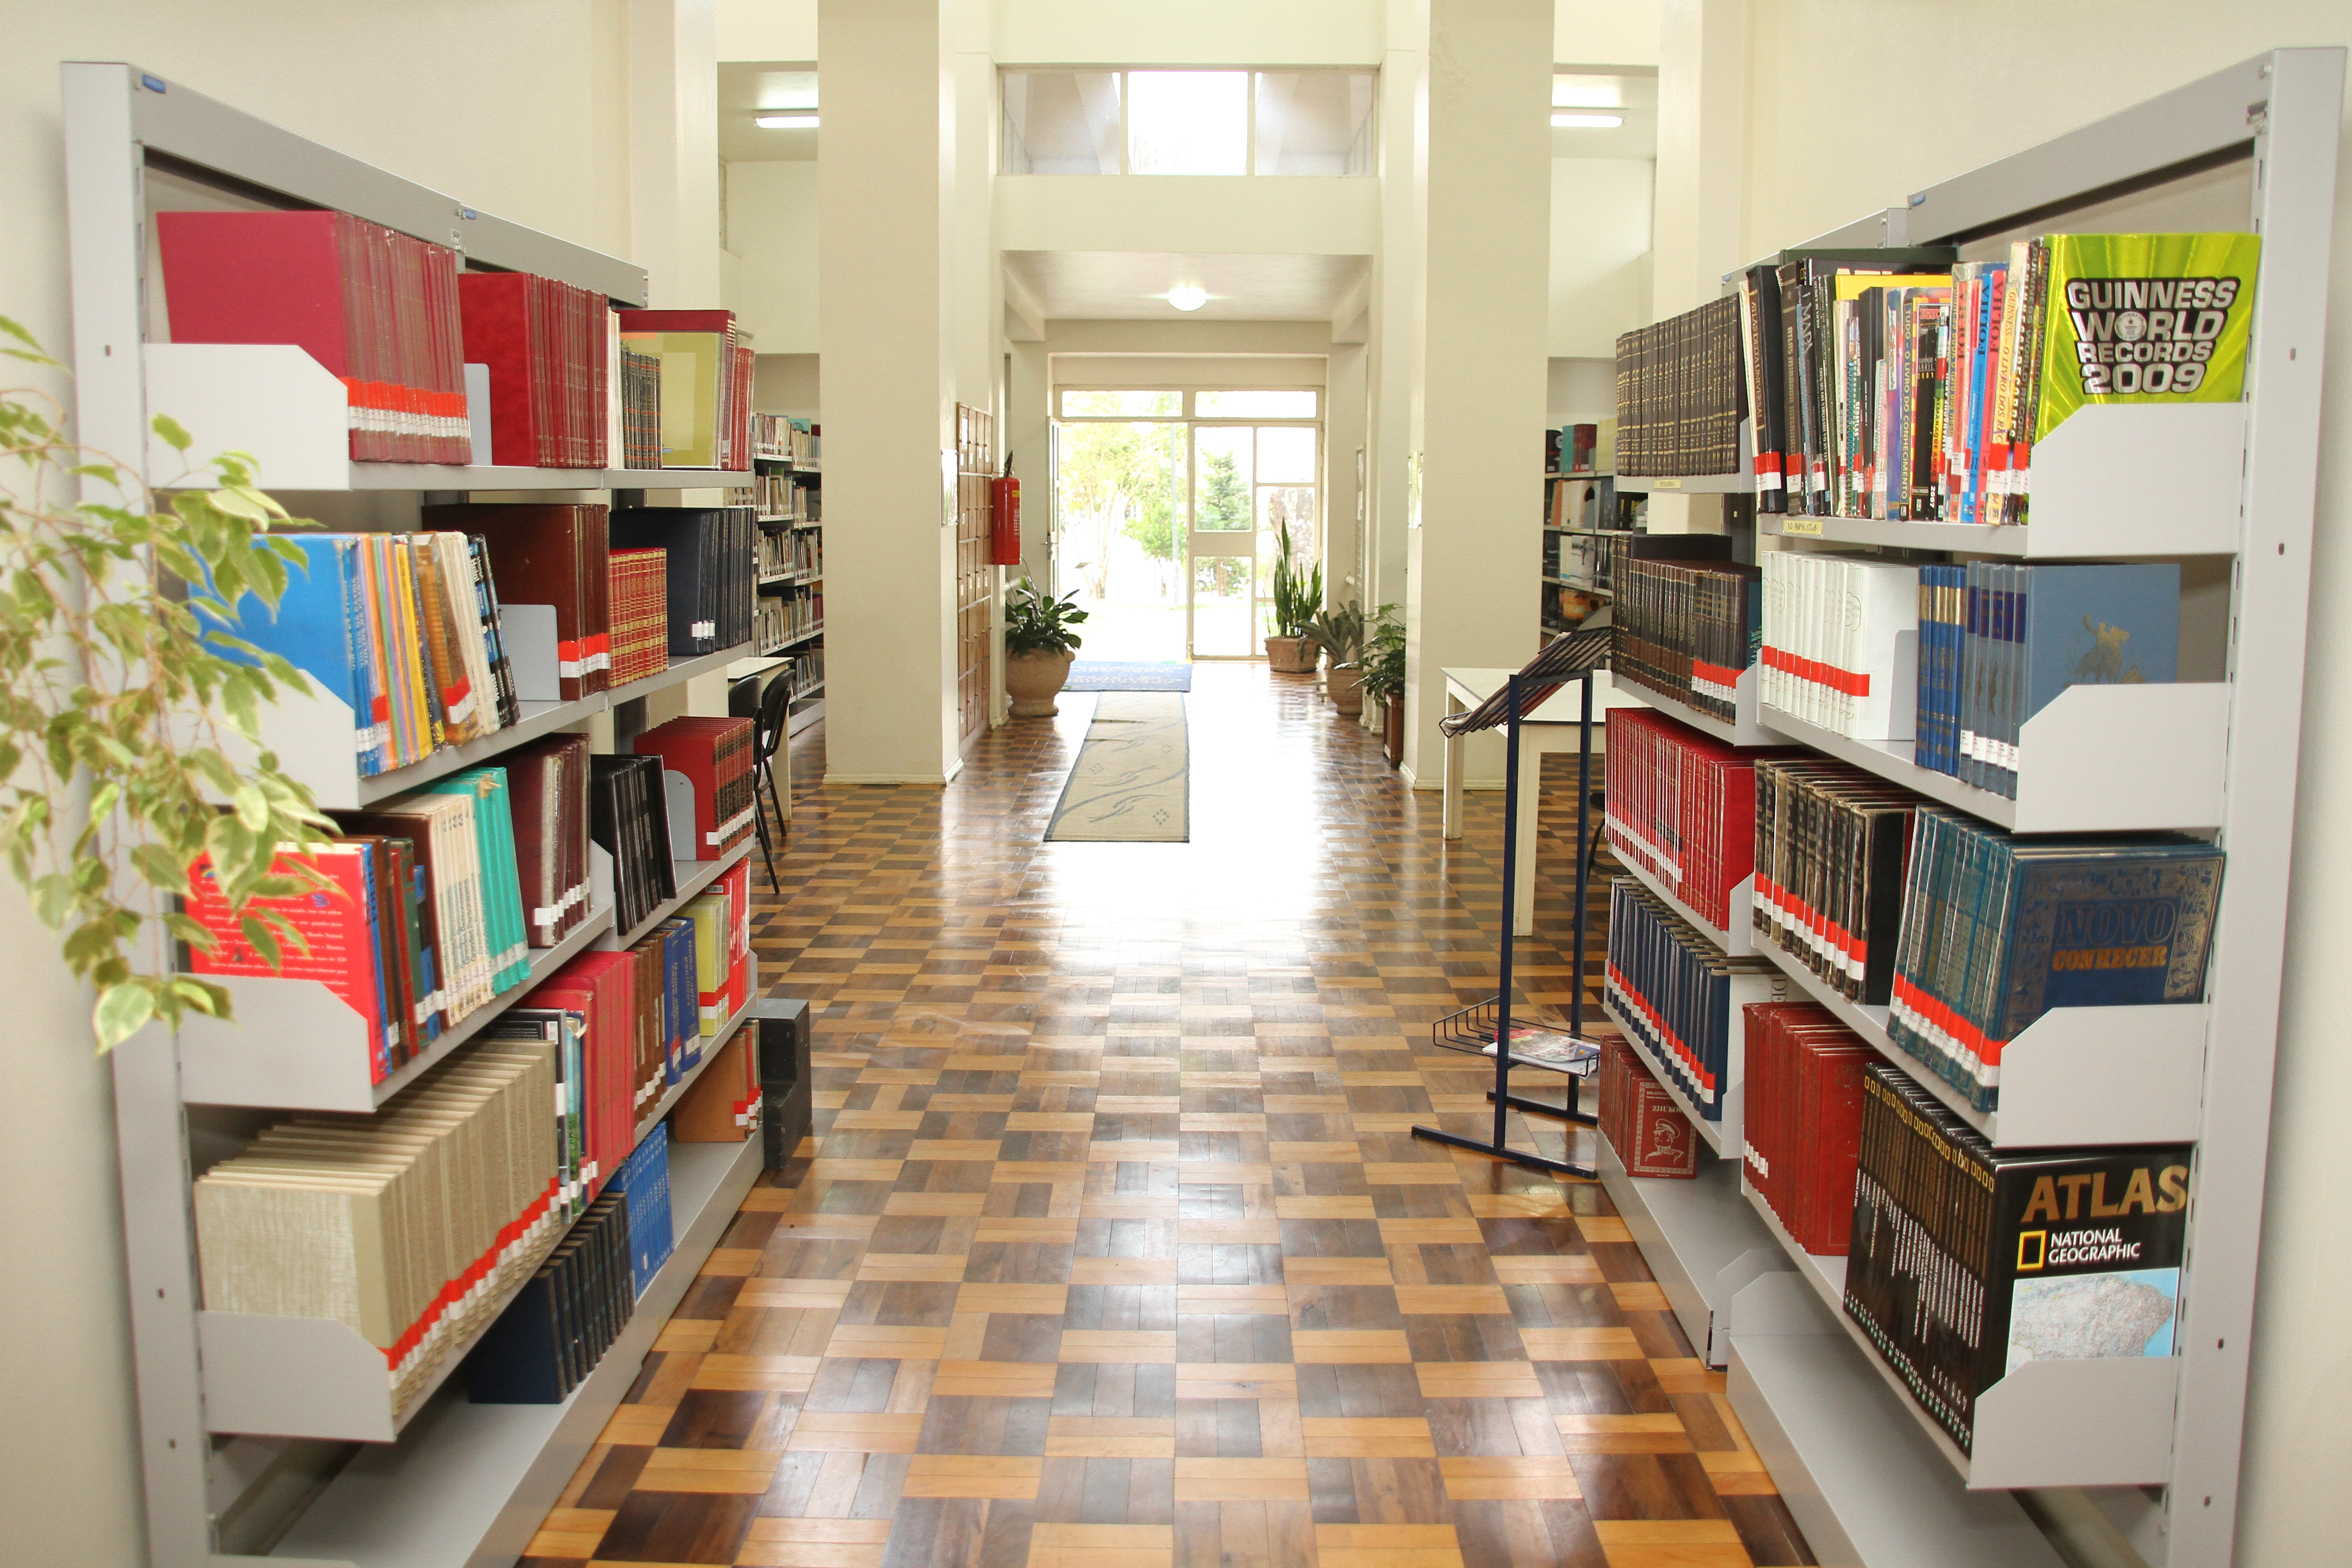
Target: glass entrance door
{"type": "Point", "coordinates": [1249, 483]}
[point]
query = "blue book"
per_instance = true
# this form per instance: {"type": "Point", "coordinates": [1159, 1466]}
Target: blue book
{"type": "Point", "coordinates": [643, 1184]}
{"type": "Point", "coordinates": [2081, 625]}
{"type": "Point", "coordinates": [685, 1000]}
{"type": "Point", "coordinates": [323, 627]}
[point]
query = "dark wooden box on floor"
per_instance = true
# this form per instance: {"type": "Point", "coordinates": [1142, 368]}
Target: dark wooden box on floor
{"type": "Point", "coordinates": [783, 1043]}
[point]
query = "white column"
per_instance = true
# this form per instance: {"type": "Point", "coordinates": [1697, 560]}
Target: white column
{"type": "Point", "coordinates": [1392, 356]}
{"type": "Point", "coordinates": [1486, 295]}
{"type": "Point", "coordinates": [673, 65]}
{"type": "Point", "coordinates": [883, 191]}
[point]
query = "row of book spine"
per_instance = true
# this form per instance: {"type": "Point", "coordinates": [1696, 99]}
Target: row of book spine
{"type": "Point", "coordinates": [786, 440]}
{"type": "Point", "coordinates": [786, 618]}
{"type": "Point", "coordinates": [1680, 394]}
{"type": "Point", "coordinates": [422, 636]}
{"type": "Point", "coordinates": [1832, 845]}
{"type": "Point", "coordinates": [1585, 449]}
{"type": "Point", "coordinates": [1681, 806]}
{"type": "Point", "coordinates": [1964, 1261]}
{"type": "Point", "coordinates": [1911, 385]}
{"type": "Point", "coordinates": [1686, 629]}
{"type": "Point", "coordinates": [1801, 1128]}
{"type": "Point", "coordinates": [1966, 933]}
{"type": "Point", "coordinates": [1676, 990]}
{"type": "Point", "coordinates": [412, 1224]}
{"type": "Point", "coordinates": [573, 384]}
{"type": "Point", "coordinates": [799, 552]}
{"type": "Point", "coordinates": [1996, 642]}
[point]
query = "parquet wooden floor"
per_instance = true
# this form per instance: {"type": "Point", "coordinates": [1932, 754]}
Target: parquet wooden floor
{"type": "Point", "coordinates": [1113, 1249]}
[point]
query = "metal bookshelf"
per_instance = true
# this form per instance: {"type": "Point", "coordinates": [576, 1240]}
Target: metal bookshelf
{"type": "Point", "coordinates": [808, 707]}
{"type": "Point", "coordinates": [461, 1483]}
{"type": "Point", "coordinates": [1867, 1477]}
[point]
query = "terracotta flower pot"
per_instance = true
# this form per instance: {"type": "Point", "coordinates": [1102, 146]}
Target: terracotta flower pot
{"type": "Point", "coordinates": [1347, 690]}
{"type": "Point", "coordinates": [1290, 656]}
{"type": "Point", "coordinates": [1031, 679]}
{"type": "Point", "coordinates": [1393, 728]}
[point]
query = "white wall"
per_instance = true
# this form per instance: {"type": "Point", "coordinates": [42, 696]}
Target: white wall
{"type": "Point", "coordinates": [1269, 215]}
{"type": "Point", "coordinates": [1198, 33]}
{"type": "Point", "coordinates": [2029, 72]}
{"type": "Point", "coordinates": [772, 229]}
{"type": "Point", "coordinates": [786, 384]}
{"type": "Point", "coordinates": [1580, 392]}
{"type": "Point", "coordinates": [1599, 252]}
{"type": "Point", "coordinates": [516, 107]}
{"type": "Point", "coordinates": [1606, 32]}
{"type": "Point", "coordinates": [766, 29]}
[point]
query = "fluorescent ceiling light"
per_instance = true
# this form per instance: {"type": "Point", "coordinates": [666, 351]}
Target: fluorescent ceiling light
{"type": "Point", "coordinates": [1587, 122]}
{"type": "Point", "coordinates": [785, 122]}
{"type": "Point", "coordinates": [1187, 297]}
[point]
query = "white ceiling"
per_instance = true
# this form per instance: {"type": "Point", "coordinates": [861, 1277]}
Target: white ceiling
{"type": "Point", "coordinates": [1120, 286]}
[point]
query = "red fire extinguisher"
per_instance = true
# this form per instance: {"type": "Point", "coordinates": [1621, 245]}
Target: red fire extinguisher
{"type": "Point", "coordinates": [1005, 516]}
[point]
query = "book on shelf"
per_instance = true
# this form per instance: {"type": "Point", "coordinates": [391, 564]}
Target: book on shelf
{"type": "Point", "coordinates": [1832, 851]}
{"type": "Point", "coordinates": [628, 815]}
{"type": "Point", "coordinates": [407, 1225]}
{"type": "Point", "coordinates": [554, 554]}
{"type": "Point", "coordinates": [1914, 385]}
{"type": "Point", "coordinates": [343, 928]}
{"type": "Point", "coordinates": [1800, 1129]}
{"type": "Point", "coordinates": [1687, 625]}
{"type": "Point", "coordinates": [564, 1032]}
{"type": "Point", "coordinates": [377, 309]}
{"type": "Point", "coordinates": [1840, 643]}
{"type": "Point", "coordinates": [1682, 806]}
{"type": "Point", "coordinates": [714, 757]}
{"type": "Point", "coordinates": [1582, 503]}
{"type": "Point", "coordinates": [1640, 1119]}
{"type": "Point", "coordinates": [640, 600]}
{"type": "Point", "coordinates": [545, 344]}
{"type": "Point", "coordinates": [1997, 641]}
{"type": "Point", "coordinates": [681, 997]}
{"type": "Point", "coordinates": [550, 780]}
{"type": "Point", "coordinates": [1679, 394]}
{"type": "Point", "coordinates": [711, 567]}
{"type": "Point", "coordinates": [722, 917]}
{"type": "Point", "coordinates": [600, 991]}
{"type": "Point", "coordinates": [706, 417]}
{"type": "Point", "coordinates": [390, 626]}
{"type": "Point", "coordinates": [1674, 989]}
{"type": "Point", "coordinates": [723, 1105]}
{"type": "Point", "coordinates": [446, 837]}
{"type": "Point", "coordinates": [1997, 931]}
{"type": "Point", "coordinates": [1965, 1261]}
{"type": "Point", "coordinates": [786, 438]}
{"type": "Point", "coordinates": [492, 800]}
{"type": "Point", "coordinates": [639, 405]}
{"type": "Point", "coordinates": [566, 1317]}
{"type": "Point", "coordinates": [644, 1185]}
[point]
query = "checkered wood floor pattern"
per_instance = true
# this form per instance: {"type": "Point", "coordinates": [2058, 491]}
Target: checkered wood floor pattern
{"type": "Point", "coordinates": [1114, 1250]}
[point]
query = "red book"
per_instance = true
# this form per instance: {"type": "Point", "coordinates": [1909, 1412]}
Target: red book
{"type": "Point", "coordinates": [737, 883]}
{"type": "Point", "coordinates": [1640, 1119]}
{"type": "Point", "coordinates": [377, 309]}
{"type": "Point", "coordinates": [714, 755]}
{"type": "Point", "coordinates": [546, 366]}
{"type": "Point", "coordinates": [607, 980]}
{"type": "Point", "coordinates": [1833, 1062]}
{"type": "Point", "coordinates": [340, 924]}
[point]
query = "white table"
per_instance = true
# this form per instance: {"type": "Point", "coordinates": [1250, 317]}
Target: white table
{"type": "Point", "coordinates": [1551, 728]}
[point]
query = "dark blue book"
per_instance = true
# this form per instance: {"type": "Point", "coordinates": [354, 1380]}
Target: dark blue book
{"type": "Point", "coordinates": [520, 1361]}
{"type": "Point", "coordinates": [644, 1185]}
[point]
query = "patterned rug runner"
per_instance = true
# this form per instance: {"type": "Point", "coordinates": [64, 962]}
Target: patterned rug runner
{"type": "Point", "coordinates": [1111, 675]}
{"type": "Point", "coordinates": [1133, 781]}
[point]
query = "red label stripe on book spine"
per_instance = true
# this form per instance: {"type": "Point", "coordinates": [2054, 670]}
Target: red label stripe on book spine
{"type": "Point", "coordinates": [1852, 682]}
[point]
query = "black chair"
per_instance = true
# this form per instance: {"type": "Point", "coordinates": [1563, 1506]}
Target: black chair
{"type": "Point", "coordinates": [768, 708]}
{"type": "Point", "coordinates": [773, 718]}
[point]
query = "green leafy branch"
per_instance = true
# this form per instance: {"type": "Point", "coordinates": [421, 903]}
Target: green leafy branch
{"type": "Point", "coordinates": [120, 687]}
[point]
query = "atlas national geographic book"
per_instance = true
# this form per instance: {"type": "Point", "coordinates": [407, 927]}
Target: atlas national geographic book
{"type": "Point", "coordinates": [2145, 318]}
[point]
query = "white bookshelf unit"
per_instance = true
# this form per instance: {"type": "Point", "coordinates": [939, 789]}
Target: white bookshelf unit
{"type": "Point", "coordinates": [1867, 1475]}
{"type": "Point", "coordinates": [441, 1481]}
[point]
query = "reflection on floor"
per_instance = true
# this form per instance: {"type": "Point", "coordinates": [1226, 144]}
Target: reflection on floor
{"type": "Point", "coordinates": [1113, 1249]}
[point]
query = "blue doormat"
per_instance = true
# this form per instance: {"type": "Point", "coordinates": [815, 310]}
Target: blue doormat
{"type": "Point", "coordinates": [1090, 675]}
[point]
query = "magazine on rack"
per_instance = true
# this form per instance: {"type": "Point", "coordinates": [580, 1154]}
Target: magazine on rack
{"type": "Point", "coordinates": [1554, 1050]}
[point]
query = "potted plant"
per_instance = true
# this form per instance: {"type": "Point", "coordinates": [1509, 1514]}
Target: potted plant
{"type": "Point", "coordinates": [1290, 651]}
{"type": "Point", "coordinates": [1383, 678]}
{"type": "Point", "coordinates": [1339, 632]}
{"type": "Point", "coordinates": [1039, 646]}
